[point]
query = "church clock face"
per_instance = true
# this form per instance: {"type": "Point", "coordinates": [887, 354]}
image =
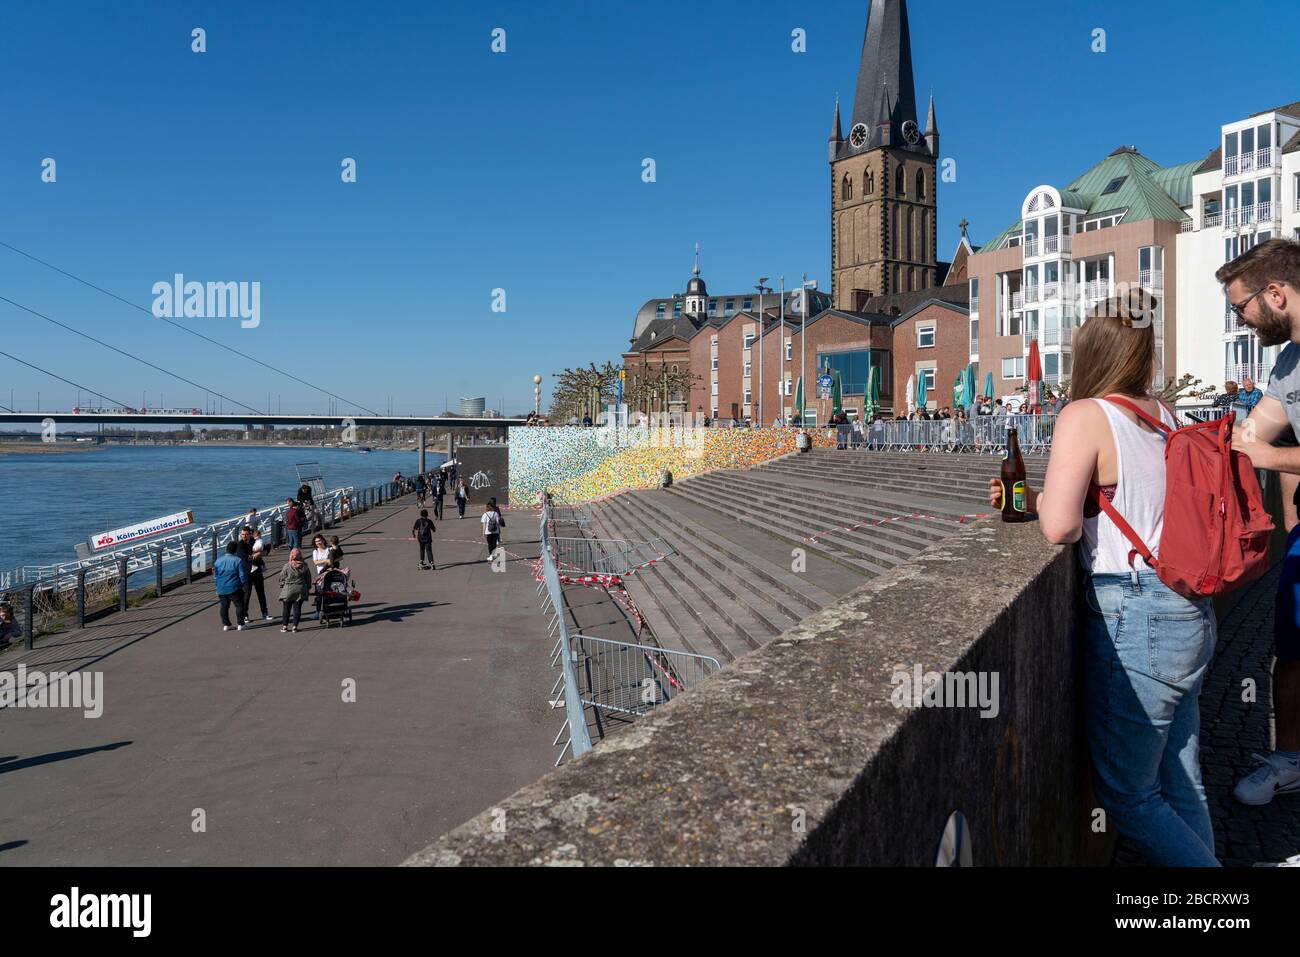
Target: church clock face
{"type": "Point", "coordinates": [858, 135]}
{"type": "Point", "coordinates": [910, 132]}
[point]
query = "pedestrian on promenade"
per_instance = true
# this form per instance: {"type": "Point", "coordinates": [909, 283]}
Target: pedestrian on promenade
{"type": "Point", "coordinates": [491, 521]}
{"type": "Point", "coordinates": [1146, 647]}
{"type": "Point", "coordinates": [229, 574]}
{"type": "Point", "coordinates": [1263, 286]}
{"type": "Point", "coordinates": [10, 630]}
{"type": "Point", "coordinates": [293, 523]}
{"type": "Point", "coordinates": [462, 496]}
{"type": "Point", "coordinates": [439, 492]}
{"type": "Point", "coordinates": [419, 489]}
{"type": "Point", "coordinates": [251, 520]}
{"type": "Point", "coordinates": [251, 554]}
{"type": "Point", "coordinates": [320, 553]}
{"type": "Point", "coordinates": [336, 549]}
{"type": "Point", "coordinates": [422, 531]}
{"type": "Point", "coordinates": [304, 494]}
{"type": "Point", "coordinates": [295, 586]}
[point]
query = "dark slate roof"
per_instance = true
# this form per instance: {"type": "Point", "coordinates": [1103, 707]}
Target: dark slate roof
{"type": "Point", "coordinates": [863, 318]}
{"type": "Point", "coordinates": [661, 329]}
{"type": "Point", "coordinates": [1213, 161]}
{"type": "Point", "coordinates": [1292, 144]}
{"type": "Point", "coordinates": [905, 301]}
{"type": "Point", "coordinates": [647, 313]}
{"type": "Point", "coordinates": [961, 309]}
{"type": "Point", "coordinates": [1290, 109]}
{"type": "Point", "coordinates": [886, 66]}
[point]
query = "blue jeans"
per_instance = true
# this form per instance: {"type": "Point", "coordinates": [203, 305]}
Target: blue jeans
{"type": "Point", "coordinates": [1147, 649]}
{"type": "Point", "coordinates": [294, 536]}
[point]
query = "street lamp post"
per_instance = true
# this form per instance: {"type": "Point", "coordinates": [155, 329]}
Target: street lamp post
{"type": "Point", "coordinates": [761, 289]}
{"type": "Point", "coordinates": [537, 395]}
{"type": "Point", "coordinates": [805, 285]}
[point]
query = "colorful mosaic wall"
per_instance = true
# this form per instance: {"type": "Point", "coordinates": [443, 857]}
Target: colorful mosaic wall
{"type": "Point", "coordinates": [577, 464]}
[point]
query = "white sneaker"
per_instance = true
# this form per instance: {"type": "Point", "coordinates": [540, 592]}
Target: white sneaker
{"type": "Point", "coordinates": [1275, 775]}
{"type": "Point", "coordinates": [1292, 861]}
{"type": "Point", "coordinates": [269, 618]}
{"type": "Point", "coordinates": [239, 628]}
{"type": "Point", "coordinates": [225, 627]}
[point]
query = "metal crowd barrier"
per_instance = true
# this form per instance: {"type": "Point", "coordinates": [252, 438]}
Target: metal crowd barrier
{"type": "Point", "coordinates": [575, 719]}
{"type": "Point", "coordinates": [633, 679]}
{"type": "Point", "coordinates": [985, 434]}
{"type": "Point", "coordinates": [606, 556]}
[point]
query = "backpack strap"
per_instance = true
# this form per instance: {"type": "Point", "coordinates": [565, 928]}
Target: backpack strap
{"type": "Point", "coordinates": [1139, 546]}
{"type": "Point", "coordinates": [1137, 410]}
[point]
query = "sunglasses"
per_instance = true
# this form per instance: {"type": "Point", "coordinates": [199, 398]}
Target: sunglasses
{"type": "Point", "coordinates": [1240, 307]}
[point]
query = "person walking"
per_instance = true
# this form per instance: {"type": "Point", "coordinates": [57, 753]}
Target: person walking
{"type": "Point", "coordinates": [1146, 647]}
{"type": "Point", "coordinates": [439, 492]}
{"type": "Point", "coordinates": [491, 521]}
{"type": "Point", "coordinates": [250, 552]}
{"type": "Point", "coordinates": [422, 531]}
{"type": "Point", "coordinates": [419, 489]}
{"type": "Point", "coordinates": [292, 523]}
{"type": "Point", "coordinates": [295, 586]}
{"type": "Point", "coordinates": [229, 575]}
{"type": "Point", "coordinates": [320, 553]}
{"type": "Point", "coordinates": [1263, 288]}
{"type": "Point", "coordinates": [462, 496]}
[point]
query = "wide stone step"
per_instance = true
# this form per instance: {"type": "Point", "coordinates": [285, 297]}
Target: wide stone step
{"type": "Point", "coordinates": [792, 532]}
{"type": "Point", "coordinates": [889, 542]}
{"type": "Point", "coordinates": [973, 470]}
{"type": "Point", "coordinates": [752, 626]}
{"type": "Point", "coordinates": [763, 589]}
{"type": "Point", "coordinates": [841, 501]}
{"type": "Point", "coordinates": [721, 550]}
{"type": "Point", "coordinates": [960, 488]}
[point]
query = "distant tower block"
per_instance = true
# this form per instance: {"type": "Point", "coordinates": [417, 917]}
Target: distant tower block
{"type": "Point", "coordinates": [473, 407]}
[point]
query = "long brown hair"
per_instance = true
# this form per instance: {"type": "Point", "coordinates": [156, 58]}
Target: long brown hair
{"type": "Point", "coordinates": [1115, 350]}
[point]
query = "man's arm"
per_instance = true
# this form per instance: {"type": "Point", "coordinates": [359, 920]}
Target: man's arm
{"type": "Point", "coordinates": [1255, 437]}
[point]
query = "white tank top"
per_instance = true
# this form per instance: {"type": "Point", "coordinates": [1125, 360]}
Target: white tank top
{"type": "Point", "coordinates": [1139, 496]}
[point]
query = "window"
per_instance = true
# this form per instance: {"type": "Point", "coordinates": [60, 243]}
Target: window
{"type": "Point", "coordinates": [928, 376]}
{"type": "Point", "coordinates": [677, 308]}
{"type": "Point", "coordinates": [715, 412]}
{"type": "Point", "coordinates": [713, 341]}
{"type": "Point", "coordinates": [925, 337]}
{"type": "Point", "coordinates": [974, 296]}
{"type": "Point", "coordinates": [659, 311]}
{"type": "Point", "coordinates": [868, 183]}
{"type": "Point", "coordinates": [1013, 367]}
{"type": "Point", "coordinates": [731, 308]}
{"type": "Point", "coordinates": [846, 188]}
{"type": "Point", "coordinates": [789, 385]}
{"type": "Point", "coordinates": [749, 339]}
{"type": "Point", "coordinates": [713, 363]}
{"type": "Point", "coordinates": [714, 391]}
{"type": "Point", "coordinates": [920, 184]}
{"type": "Point", "coordinates": [749, 304]}
{"type": "Point", "coordinates": [854, 368]}
{"type": "Point", "coordinates": [749, 397]}
{"type": "Point", "coordinates": [899, 189]}
{"type": "Point", "coordinates": [789, 349]}
{"type": "Point", "coordinates": [907, 245]}
{"type": "Point", "coordinates": [746, 373]}
{"type": "Point", "coordinates": [1114, 185]}
{"type": "Point", "coordinates": [1230, 145]}
{"type": "Point", "coordinates": [974, 337]}
{"type": "Point", "coordinates": [713, 307]}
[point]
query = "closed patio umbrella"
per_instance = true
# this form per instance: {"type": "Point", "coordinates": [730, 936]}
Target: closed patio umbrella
{"type": "Point", "coordinates": [911, 394]}
{"type": "Point", "coordinates": [1034, 374]}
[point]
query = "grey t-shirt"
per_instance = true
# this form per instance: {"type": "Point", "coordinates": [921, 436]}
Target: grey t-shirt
{"type": "Point", "coordinates": [1284, 383]}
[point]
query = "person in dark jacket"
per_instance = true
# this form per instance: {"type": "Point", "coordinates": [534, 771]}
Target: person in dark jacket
{"type": "Point", "coordinates": [422, 531]}
{"type": "Point", "coordinates": [293, 523]}
{"type": "Point", "coordinates": [254, 563]}
{"type": "Point", "coordinates": [229, 574]}
{"type": "Point", "coordinates": [10, 630]}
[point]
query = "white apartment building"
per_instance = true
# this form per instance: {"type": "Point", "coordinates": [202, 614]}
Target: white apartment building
{"type": "Point", "coordinates": [1246, 191]}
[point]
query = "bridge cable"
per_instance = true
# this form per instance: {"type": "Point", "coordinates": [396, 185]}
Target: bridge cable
{"type": "Point", "coordinates": [64, 325]}
{"type": "Point", "coordinates": [184, 328]}
{"type": "Point", "coordinates": [61, 379]}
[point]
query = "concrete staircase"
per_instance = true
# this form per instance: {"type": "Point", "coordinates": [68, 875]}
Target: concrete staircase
{"type": "Point", "coordinates": [730, 586]}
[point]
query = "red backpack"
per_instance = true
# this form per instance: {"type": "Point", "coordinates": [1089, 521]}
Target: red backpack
{"type": "Point", "coordinates": [1216, 531]}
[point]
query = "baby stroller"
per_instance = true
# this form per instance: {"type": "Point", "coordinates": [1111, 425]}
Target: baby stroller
{"type": "Point", "coordinates": [335, 598]}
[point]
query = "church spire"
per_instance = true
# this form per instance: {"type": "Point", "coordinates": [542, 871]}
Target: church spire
{"type": "Point", "coordinates": [886, 67]}
{"type": "Point", "coordinates": [932, 129]}
{"type": "Point", "coordinates": [837, 132]}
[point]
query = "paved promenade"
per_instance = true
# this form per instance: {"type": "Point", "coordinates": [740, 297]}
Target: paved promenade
{"type": "Point", "coordinates": [451, 671]}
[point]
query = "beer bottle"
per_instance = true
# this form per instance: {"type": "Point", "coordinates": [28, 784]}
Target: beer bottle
{"type": "Point", "coordinates": [1014, 494]}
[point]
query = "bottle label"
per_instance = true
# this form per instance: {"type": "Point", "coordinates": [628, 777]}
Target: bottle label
{"type": "Point", "coordinates": [1018, 496]}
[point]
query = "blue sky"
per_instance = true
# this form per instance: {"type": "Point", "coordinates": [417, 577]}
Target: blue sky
{"type": "Point", "coordinates": [519, 171]}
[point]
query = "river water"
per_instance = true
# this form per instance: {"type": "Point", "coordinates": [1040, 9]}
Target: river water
{"type": "Point", "coordinates": [54, 500]}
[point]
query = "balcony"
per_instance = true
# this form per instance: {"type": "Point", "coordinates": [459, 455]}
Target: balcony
{"type": "Point", "coordinates": [974, 349]}
{"type": "Point", "coordinates": [1237, 371]}
{"type": "Point", "coordinates": [1017, 301]}
{"type": "Point", "coordinates": [1212, 219]}
{"type": "Point", "coordinates": [1053, 244]}
{"type": "Point", "coordinates": [1051, 290]}
{"type": "Point", "coordinates": [1030, 247]}
{"type": "Point", "coordinates": [975, 307]}
{"type": "Point", "coordinates": [1057, 335]}
{"type": "Point", "coordinates": [1095, 289]}
{"type": "Point", "coordinates": [1230, 165]}
{"type": "Point", "coordinates": [1231, 324]}
{"type": "Point", "coordinates": [1031, 294]}
{"type": "Point", "coordinates": [1153, 279]}
{"type": "Point", "coordinates": [1266, 212]}
{"type": "Point", "coordinates": [1264, 157]}
{"type": "Point", "coordinates": [1186, 226]}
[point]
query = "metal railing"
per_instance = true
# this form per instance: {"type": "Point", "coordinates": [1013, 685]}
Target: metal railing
{"type": "Point", "coordinates": [605, 556]}
{"type": "Point", "coordinates": [1212, 219]}
{"type": "Point", "coordinates": [575, 719]}
{"type": "Point", "coordinates": [1031, 247]}
{"type": "Point", "coordinates": [53, 594]}
{"type": "Point", "coordinates": [984, 433]}
{"type": "Point", "coordinates": [1153, 279]}
{"type": "Point", "coordinates": [631, 679]}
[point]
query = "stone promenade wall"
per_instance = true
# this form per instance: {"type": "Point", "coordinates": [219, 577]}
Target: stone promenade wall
{"type": "Point", "coordinates": [800, 753]}
{"type": "Point", "coordinates": [579, 465]}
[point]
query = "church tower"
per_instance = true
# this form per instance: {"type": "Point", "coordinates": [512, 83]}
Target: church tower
{"type": "Point", "coordinates": [883, 181]}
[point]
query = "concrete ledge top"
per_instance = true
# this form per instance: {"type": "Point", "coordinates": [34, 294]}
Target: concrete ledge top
{"type": "Point", "coordinates": [742, 769]}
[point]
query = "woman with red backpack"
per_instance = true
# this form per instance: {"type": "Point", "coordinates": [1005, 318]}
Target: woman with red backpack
{"type": "Point", "coordinates": [1146, 646]}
